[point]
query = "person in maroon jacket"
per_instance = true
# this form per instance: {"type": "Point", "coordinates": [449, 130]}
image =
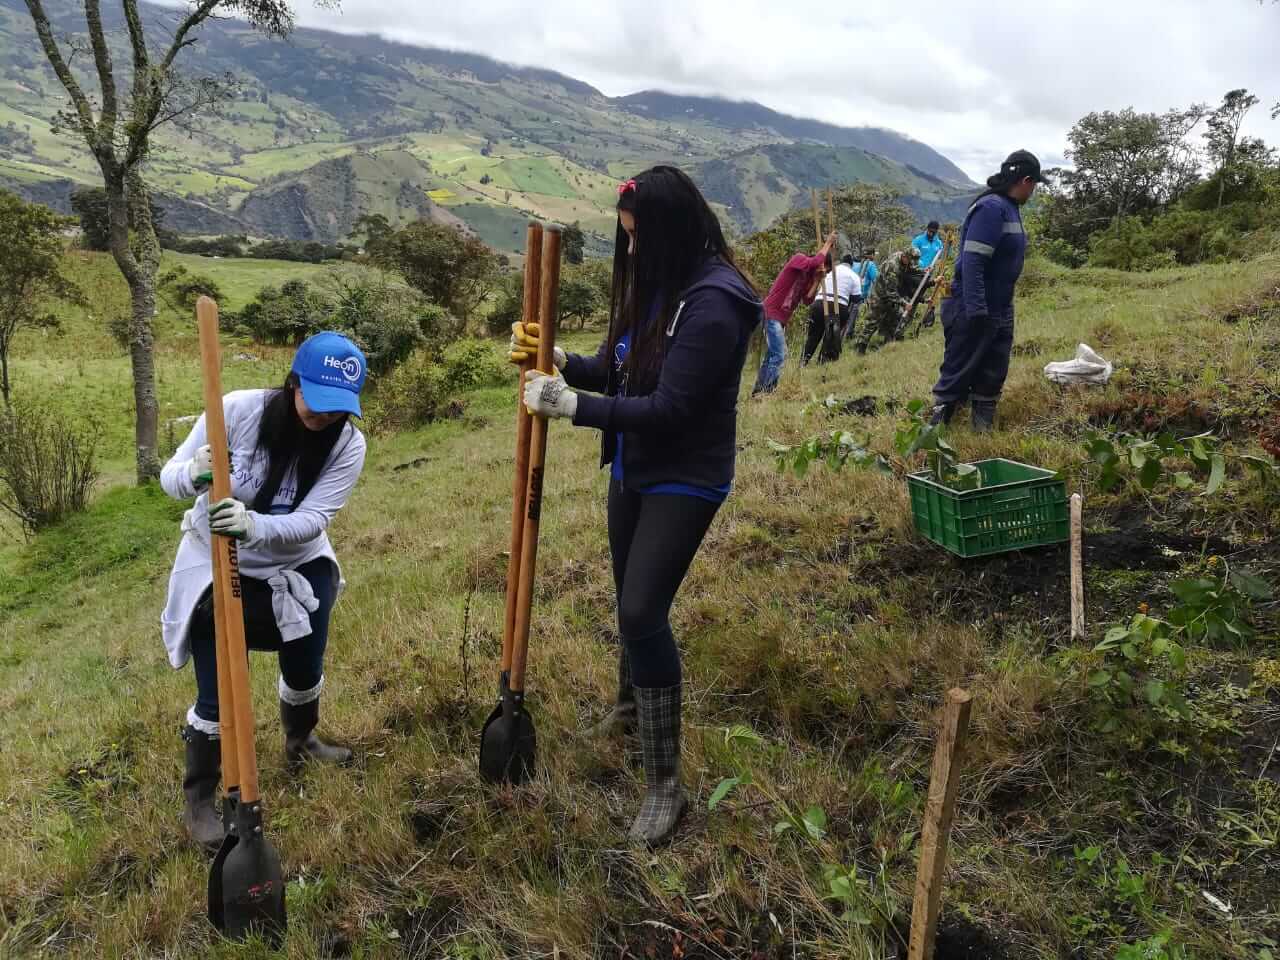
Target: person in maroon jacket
{"type": "Point", "coordinates": [794, 285]}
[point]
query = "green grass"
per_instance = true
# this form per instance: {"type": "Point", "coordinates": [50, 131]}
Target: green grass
{"type": "Point", "coordinates": [812, 614]}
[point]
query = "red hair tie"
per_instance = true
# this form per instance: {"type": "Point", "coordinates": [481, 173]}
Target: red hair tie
{"type": "Point", "coordinates": [628, 187]}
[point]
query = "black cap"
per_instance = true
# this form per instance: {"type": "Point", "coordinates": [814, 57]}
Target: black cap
{"type": "Point", "coordinates": [1020, 164]}
{"type": "Point", "coordinates": [933, 225]}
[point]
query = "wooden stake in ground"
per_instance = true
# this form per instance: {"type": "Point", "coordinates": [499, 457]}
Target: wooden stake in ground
{"type": "Point", "coordinates": [939, 811]}
{"type": "Point", "coordinates": [1077, 567]}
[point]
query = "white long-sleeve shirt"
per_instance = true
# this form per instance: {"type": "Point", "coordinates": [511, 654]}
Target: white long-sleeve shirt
{"type": "Point", "coordinates": [281, 540]}
{"type": "Point", "coordinates": [847, 284]}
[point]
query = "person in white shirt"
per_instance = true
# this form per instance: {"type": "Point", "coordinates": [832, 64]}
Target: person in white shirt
{"type": "Point", "coordinates": [295, 457]}
{"type": "Point", "coordinates": [842, 287]}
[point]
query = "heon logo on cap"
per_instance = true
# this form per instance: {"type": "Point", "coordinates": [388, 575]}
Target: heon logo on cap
{"type": "Point", "coordinates": [349, 367]}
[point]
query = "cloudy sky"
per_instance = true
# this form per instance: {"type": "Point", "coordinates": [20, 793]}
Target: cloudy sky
{"type": "Point", "coordinates": [972, 78]}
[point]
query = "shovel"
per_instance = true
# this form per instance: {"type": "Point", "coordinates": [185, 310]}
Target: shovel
{"type": "Point", "coordinates": [494, 759]}
{"type": "Point", "coordinates": [508, 743]}
{"type": "Point", "coordinates": [245, 878]}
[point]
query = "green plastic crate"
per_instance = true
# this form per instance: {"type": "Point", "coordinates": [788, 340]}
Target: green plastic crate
{"type": "Point", "coordinates": [1017, 506]}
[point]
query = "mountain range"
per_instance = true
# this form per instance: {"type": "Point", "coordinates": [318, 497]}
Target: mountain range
{"type": "Point", "coordinates": [325, 127]}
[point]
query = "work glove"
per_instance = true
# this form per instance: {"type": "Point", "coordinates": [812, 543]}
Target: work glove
{"type": "Point", "coordinates": [549, 396]}
{"type": "Point", "coordinates": [200, 467]}
{"type": "Point", "coordinates": [231, 518]}
{"type": "Point", "coordinates": [524, 344]}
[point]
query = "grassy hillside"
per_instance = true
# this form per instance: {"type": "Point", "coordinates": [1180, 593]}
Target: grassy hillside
{"type": "Point", "coordinates": [813, 615]}
{"type": "Point", "coordinates": [325, 127]}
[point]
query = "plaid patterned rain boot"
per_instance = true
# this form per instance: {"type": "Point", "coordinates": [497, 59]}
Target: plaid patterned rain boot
{"type": "Point", "coordinates": [665, 800]}
{"type": "Point", "coordinates": [621, 719]}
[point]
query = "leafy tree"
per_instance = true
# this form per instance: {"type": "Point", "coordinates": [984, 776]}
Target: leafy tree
{"type": "Point", "coordinates": [579, 299]}
{"type": "Point", "coordinates": [285, 315]}
{"type": "Point", "coordinates": [448, 267]}
{"type": "Point", "coordinates": [573, 242]}
{"type": "Point", "coordinates": [116, 123]}
{"type": "Point", "coordinates": [1225, 146]}
{"type": "Point", "coordinates": [867, 217]}
{"type": "Point", "coordinates": [90, 205]}
{"type": "Point", "coordinates": [180, 288]}
{"type": "Point", "coordinates": [31, 251]}
{"type": "Point", "coordinates": [373, 227]}
{"type": "Point", "coordinates": [1130, 162]}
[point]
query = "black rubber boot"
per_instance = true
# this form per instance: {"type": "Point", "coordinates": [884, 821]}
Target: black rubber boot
{"type": "Point", "coordinates": [860, 349]}
{"type": "Point", "coordinates": [983, 414]}
{"type": "Point", "coordinates": [621, 719]}
{"type": "Point", "coordinates": [942, 414]}
{"type": "Point", "coordinates": [665, 800]}
{"type": "Point", "coordinates": [300, 742]}
{"type": "Point", "coordinates": [200, 786]}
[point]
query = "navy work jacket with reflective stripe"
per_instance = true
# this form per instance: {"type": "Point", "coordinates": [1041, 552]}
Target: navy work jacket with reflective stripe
{"type": "Point", "coordinates": [992, 249]}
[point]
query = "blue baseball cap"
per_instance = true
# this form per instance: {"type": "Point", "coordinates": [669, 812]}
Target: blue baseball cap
{"type": "Point", "coordinates": [331, 370]}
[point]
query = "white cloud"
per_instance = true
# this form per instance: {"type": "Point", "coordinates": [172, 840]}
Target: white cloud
{"type": "Point", "coordinates": [972, 79]}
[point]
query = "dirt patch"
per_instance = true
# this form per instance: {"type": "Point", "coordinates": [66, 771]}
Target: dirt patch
{"type": "Point", "coordinates": [961, 939]}
{"type": "Point", "coordinates": [1136, 543]}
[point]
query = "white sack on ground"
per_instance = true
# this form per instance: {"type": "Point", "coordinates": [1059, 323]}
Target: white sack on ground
{"type": "Point", "coordinates": [1087, 367]}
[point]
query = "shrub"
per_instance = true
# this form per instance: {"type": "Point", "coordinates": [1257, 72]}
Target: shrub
{"type": "Point", "coordinates": [285, 315]}
{"type": "Point", "coordinates": [474, 363]}
{"type": "Point", "coordinates": [387, 340]}
{"type": "Point", "coordinates": [412, 394]}
{"type": "Point", "coordinates": [181, 288]}
{"type": "Point", "coordinates": [47, 465]}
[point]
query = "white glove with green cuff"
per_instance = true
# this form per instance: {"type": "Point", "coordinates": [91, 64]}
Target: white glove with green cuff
{"type": "Point", "coordinates": [200, 467]}
{"type": "Point", "coordinates": [231, 518]}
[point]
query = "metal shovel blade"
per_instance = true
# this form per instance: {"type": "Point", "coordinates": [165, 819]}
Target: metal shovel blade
{"type": "Point", "coordinates": [508, 743]}
{"type": "Point", "coordinates": [229, 838]}
{"type": "Point", "coordinates": [252, 882]}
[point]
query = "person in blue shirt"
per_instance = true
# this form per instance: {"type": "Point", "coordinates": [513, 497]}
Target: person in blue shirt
{"type": "Point", "coordinates": [867, 272]}
{"type": "Point", "coordinates": [663, 391]}
{"type": "Point", "coordinates": [929, 244]}
{"type": "Point", "coordinates": [977, 317]}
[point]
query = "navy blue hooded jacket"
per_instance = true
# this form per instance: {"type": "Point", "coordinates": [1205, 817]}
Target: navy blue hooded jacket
{"type": "Point", "coordinates": [685, 430]}
{"type": "Point", "coordinates": [992, 248]}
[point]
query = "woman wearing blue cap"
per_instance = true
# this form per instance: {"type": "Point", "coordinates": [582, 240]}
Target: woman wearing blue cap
{"type": "Point", "coordinates": [295, 457]}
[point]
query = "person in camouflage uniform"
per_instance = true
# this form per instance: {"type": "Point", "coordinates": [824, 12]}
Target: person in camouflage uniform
{"type": "Point", "coordinates": [884, 309]}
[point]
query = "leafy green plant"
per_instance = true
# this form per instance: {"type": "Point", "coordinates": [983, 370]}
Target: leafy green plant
{"type": "Point", "coordinates": [1148, 460]}
{"type": "Point", "coordinates": [915, 435]}
{"type": "Point", "coordinates": [1216, 608]}
{"type": "Point", "coordinates": [1143, 664]}
{"type": "Point", "coordinates": [836, 450]}
{"type": "Point", "coordinates": [1158, 947]}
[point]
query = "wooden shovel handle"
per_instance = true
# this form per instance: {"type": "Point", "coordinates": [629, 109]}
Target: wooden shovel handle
{"type": "Point", "coordinates": [228, 611]}
{"type": "Point", "coordinates": [548, 305]}
{"type": "Point", "coordinates": [524, 431]}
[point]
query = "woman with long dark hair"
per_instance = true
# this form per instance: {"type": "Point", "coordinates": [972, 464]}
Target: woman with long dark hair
{"type": "Point", "coordinates": [295, 456]}
{"type": "Point", "coordinates": [663, 391]}
{"type": "Point", "coordinates": [977, 317]}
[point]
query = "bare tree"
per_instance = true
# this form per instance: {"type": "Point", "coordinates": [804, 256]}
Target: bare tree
{"type": "Point", "coordinates": [116, 124]}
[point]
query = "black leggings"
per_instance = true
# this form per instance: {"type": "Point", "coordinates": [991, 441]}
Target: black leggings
{"type": "Point", "coordinates": [653, 539]}
{"type": "Point", "coordinates": [301, 660]}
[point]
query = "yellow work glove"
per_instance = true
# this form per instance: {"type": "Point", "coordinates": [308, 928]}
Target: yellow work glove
{"type": "Point", "coordinates": [524, 345]}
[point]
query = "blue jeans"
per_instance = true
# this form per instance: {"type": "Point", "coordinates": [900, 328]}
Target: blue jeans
{"type": "Point", "coordinates": [301, 660]}
{"type": "Point", "coordinates": [775, 339]}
